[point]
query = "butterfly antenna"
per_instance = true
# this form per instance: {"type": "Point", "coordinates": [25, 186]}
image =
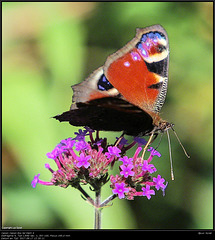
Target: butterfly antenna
{"type": "Point", "coordinates": [185, 152]}
{"type": "Point", "coordinates": [170, 155]}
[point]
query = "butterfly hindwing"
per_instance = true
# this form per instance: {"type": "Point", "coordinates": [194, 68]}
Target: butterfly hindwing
{"type": "Point", "coordinates": [109, 114]}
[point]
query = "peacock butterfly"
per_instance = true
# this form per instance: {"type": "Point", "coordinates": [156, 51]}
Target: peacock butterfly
{"type": "Point", "coordinates": [128, 91]}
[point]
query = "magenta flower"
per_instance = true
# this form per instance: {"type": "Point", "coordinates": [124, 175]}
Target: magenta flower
{"type": "Point", "coordinates": [83, 161]}
{"type": "Point", "coordinates": [147, 191]}
{"type": "Point", "coordinates": [159, 182]}
{"type": "Point", "coordinates": [81, 134]}
{"type": "Point", "coordinates": [126, 170]}
{"type": "Point", "coordinates": [67, 143]}
{"type": "Point", "coordinates": [140, 141]}
{"type": "Point", "coordinates": [81, 145]}
{"type": "Point", "coordinates": [163, 189]}
{"type": "Point", "coordinates": [148, 167]}
{"type": "Point", "coordinates": [126, 160]}
{"type": "Point", "coordinates": [37, 180]}
{"type": "Point", "coordinates": [120, 190]}
{"type": "Point", "coordinates": [53, 154]}
{"type": "Point", "coordinates": [123, 141]}
{"type": "Point", "coordinates": [154, 152]}
{"type": "Point", "coordinates": [113, 152]}
{"type": "Point", "coordinates": [49, 168]}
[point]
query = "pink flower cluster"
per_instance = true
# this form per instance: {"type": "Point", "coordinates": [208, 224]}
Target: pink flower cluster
{"type": "Point", "coordinates": [79, 161]}
{"type": "Point", "coordinates": [135, 179]}
{"type": "Point", "coordinates": [88, 162]}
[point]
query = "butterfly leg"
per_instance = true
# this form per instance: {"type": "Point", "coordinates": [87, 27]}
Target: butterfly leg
{"type": "Point", "coordinates": [119, 139]}
{"type": "Point", "coordinates": [155, 136]}
{"type": "Point", "coordinates": [147, 144]}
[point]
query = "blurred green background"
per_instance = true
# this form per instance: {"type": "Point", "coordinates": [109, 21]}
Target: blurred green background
{"type": "Point", "coordinates": [47, 47]}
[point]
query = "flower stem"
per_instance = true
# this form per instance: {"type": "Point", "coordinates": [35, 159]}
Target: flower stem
{"type": "Point", "coordinates": [88, 198]}
{"type": "Point", "coordinates": [97, 224]}
{"type": "Point", "coordinates": [105, 202]}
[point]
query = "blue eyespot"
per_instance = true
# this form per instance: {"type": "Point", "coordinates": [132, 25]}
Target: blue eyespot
{"type": "Point", "coordinates": [143, 48]}
{"type": "Point", "coordinates": [160, 35]}
{"type": "Point", "coordinates": [143, 38]}
{"type": "Point", "coordinates": [151, 35]}
{"type": "Point", "coordinates": [103, 84]}
{"type": "Point", "coordinates": [139, 45]}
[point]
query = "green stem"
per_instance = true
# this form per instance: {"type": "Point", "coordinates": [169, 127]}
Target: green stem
{"type": "Point", "coordinates": [97, 224]}
{"type": "Point", "coordinates": [88, 198]}
{"type": "Point", "coordinates": [106, 201]}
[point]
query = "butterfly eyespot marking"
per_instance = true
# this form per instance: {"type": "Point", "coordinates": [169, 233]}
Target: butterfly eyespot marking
{"type": "Point", "coordinates": [156, 85]}
{"type": "Point", "coordinates": [103, 84]}
{"type": "Point", "coordinates": [154, 36]}
{"type": "Point", "coordinates": [160, 48]}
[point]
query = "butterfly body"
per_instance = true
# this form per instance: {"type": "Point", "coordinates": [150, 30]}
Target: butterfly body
{"type": "Point", "coordinates": [127, 93]}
